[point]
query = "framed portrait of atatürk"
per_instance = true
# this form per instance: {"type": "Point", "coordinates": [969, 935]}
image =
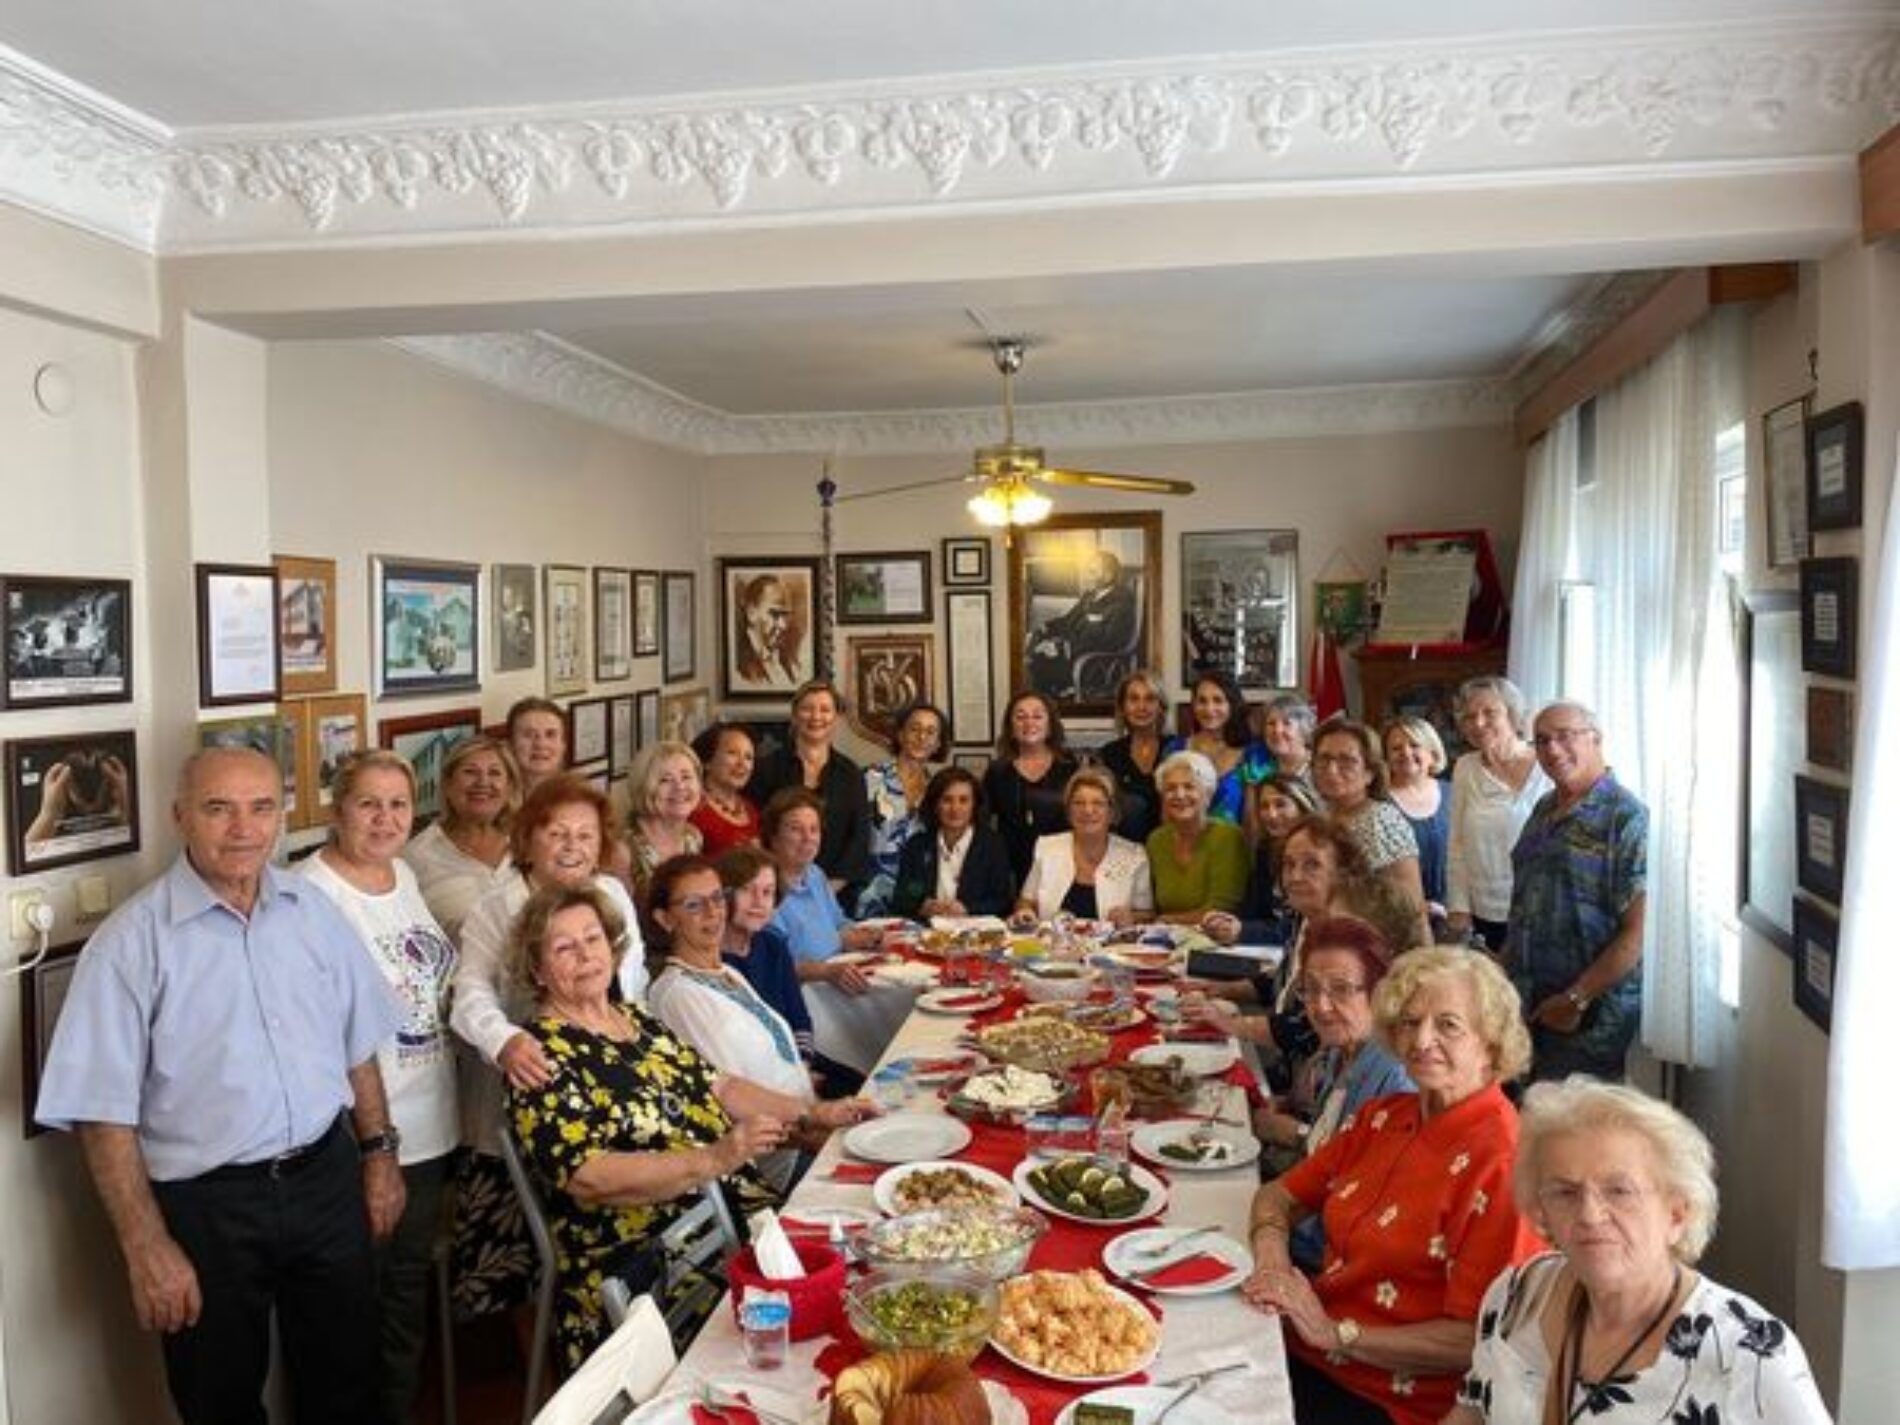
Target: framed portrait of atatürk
{"type": "Point", "coordinates": [1084, 606]}
{"type": "Point", "coordinates": [768, 627]}
{"type": "Point", "coordinates": [69, 641]}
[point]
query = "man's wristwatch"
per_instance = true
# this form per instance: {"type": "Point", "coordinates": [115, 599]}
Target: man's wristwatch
{"type": "Point", "coordinates": [1347, 1331]}
{"type": "Point", "coordinates": [388, 1141]}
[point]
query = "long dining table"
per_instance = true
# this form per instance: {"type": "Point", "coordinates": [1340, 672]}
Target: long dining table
{"type": "Point", "coordinates": [1198, 1333]}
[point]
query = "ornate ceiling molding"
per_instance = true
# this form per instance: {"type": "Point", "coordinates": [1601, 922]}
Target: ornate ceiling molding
{"type": "Point", "coordinates": [541, 368]}
{"type": "Point", "coordinates": [1751, 92]}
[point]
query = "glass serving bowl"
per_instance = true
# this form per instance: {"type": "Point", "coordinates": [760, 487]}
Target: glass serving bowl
{"type": "Point", "coordinates": [991, 1242]}
{"type": "Point", "coordinates": [942, 1309]}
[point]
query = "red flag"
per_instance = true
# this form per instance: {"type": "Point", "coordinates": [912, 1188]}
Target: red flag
{"type": "Point", "coordinates": [1324, 676]}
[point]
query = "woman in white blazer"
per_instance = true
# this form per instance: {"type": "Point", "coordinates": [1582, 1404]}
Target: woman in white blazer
{"type": "Point", "coordinates": [1088, 870]}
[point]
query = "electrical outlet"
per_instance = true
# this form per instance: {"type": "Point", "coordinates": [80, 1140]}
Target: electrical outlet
{"type": "Point", "coordinates": [22, 904]}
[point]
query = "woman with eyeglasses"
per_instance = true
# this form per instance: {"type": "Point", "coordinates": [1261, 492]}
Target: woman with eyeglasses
{"type": "Point", "coordinates": [1415, 1197]}
{"type": "Point", "coordinates": [1350, 774]}
{"type": "Point", "coordinates": [1616, 1326]}
{"type": "Point", "coordinates": [894, 790]}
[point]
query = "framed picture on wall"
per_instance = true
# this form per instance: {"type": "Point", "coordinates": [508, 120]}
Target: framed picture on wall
{"type": "Point", "coordinates": [427, 628]}
{"type": "Point", "coordinates": [424, 741]}
{"type": "Point", "coordinates": [646, 613]}
{"type": "Point", "coordinates": [587, 731]}
{"type": "Point", "coordinates": [1830, 604]}
{"type": "Point", "coordinates": [679, 617]}
{"type": "Point", "coordinates": [69, 641]}
{"type": "Point", "coordinates": [1769, 645]}
{"type": "Point", "coordinates": [969, 666]}
{"type": "Point", "coordinates": [613, 625]}
{"type": "Point", "coordinates": [884, 588]}
{"type": "Point", "coordinates": [306, 623]}
{"type": "Point", "coordinates": [568, 649]}
{"type": "Point", "coordinates": [339, 728]}
{"type": "Point", "coordinates": [887, 674]}
{"type": "Point", "coordinates": [646, 718]}
{"type": "Point", "coordinates": [274, 734]}
{"type": "Point", "coordinates": [623, 735]}
{"type": "Point", "coordinates": [1817, 938]}
{"type": "Point", "coordinates": [1831, 728]}
{"type": "Point", "coordinates": [71, 799]}
{"type": "Point", "coordinates": [966, 562]}
{"type": "Point", "coordinates": [1820, 813]}
{"type": "Point", "coordinates": [767, 627]}
{"type": "Point", "coordinates": [517, 628]}
{"type": "Point", "coordinates": [1835, 441]}
{"type": "Point", "coordinates": [1785, 456]}
{"type": "Point", "coordinates": [237, 635]}
{"type": "Point", "coordinates": [1239, 598]}
{"type": "Point", "coordinates": [1084, 606]}
{"type": "Point", "coordinates": [685, 714]}
{"type": "Point", "coordinates": [42, 995]}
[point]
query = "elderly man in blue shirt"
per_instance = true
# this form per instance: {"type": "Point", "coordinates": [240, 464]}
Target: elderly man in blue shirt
{"type": "Point", "coordinates": [216, 1056]}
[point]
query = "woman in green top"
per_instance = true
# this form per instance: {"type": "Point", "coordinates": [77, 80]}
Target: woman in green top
{"type": "Point", "coordinates": [1200, 866]}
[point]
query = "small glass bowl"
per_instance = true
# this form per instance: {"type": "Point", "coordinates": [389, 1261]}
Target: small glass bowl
{"type": "Point", "coordinates": [926, 1241]}
{"type": "Point", "coordinates": [961, 1342]}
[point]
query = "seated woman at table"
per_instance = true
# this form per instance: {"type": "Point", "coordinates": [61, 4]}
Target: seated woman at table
{"type": "Point", "coordinates": [955, 864]}
{"type": "Point", "coordinates": [1087, 870]}
{"type": "Point", "coordinates": [1216, 727]}
{"type": "Point", "coordinates": [619, 1163]}
{"type": "Point", "coordinates": [1264, 918]}
{"type": "Point", "coordinates": [726, 816]}
{"type": "Point", "coordinates": [665, 787]}
{"type": "Point", "coordinates": [1198, 866]}
{"type": "Point", "coordinates": [1616, 1325]}
{"type": "Point", "coordinates": [894, 791]}
{"type": "Point", "coordinates": [808, 916]}
{"type": "Point", "coordinates": [1415, 1195]}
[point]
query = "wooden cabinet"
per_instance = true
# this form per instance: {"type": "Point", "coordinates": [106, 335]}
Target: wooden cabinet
{"type": "Point", "coordinates": [1396, 681]}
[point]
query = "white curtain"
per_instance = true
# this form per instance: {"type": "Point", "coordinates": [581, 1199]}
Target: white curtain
{"type": "Point", "coordinates": [1664, 663]}
{"type": "Point", "coordinates": [1861, 1219]}
{"type": "Point", "coordinates": [1545, 558]}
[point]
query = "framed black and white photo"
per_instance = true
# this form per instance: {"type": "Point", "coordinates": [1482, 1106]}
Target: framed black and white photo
{"type": "Point", "coordinates": [427, 628]}
{"type": "Point", "coordinates": [425, 741]}
{"type": "Point", "coordinates": [969, 667]}
{"type": "Point", "coordinates": [1835, 447]}
{"type": "Point", "coordinates": [1785, 454]}
{"type": "Point", "coordinates": [1830, 604]}
{"type": "Point", "coordinates": [966, 562]}
{"type": "Point", "coordinates": [646, 718]}
{"type": "Point", "coordinates": [568, 649]}
{"type": "Point", "coordinates": [1817, 938]}
{"type": "Point", "coordinates": [1820, 847]}
{"type": "Point", "coordinates": [71, 799]}
{"type": "Point", "coordinates": [613, 625]}
{"type": "Point", "coordinates": [1769, 645]}
{"type": "Point", "coordinates": [277, 735]}
{"type": "Point", "coordinates": [69, 641]}
{"type": "Point", "coordinates": [517, 627]}
{"type": "Point", "coordinates": [623, 734]}
{"type": "Point", "coordinates": [1239, 600]}
{"type": "Point", "coordinates": [1831, 728]}
{"type": "Point", "coordinates": [42, 995]}
{"type": "Point", "coordinates": [237, 635]}
{"type": "Point", "coordinates": [306, 623]}
{"type": "Point", "coordinates": [768, 620]}
{"type": "Point", "coordinates": [646, 613]}
{"type": "Point", "coordinates": [587, 731]}
{"type": "Point", "coordinates": [884, 588]}
{"type": "Point", "coordinates": [1084, 607]}
{"type": "Point", "coordinates": [679, 657]}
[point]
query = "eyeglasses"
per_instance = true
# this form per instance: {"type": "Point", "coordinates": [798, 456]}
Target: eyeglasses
{"type": "Point", "coordinates": [1337, 991]}
{"type": "Point", "coordinates": [1338, 759]}
{"type": "Point", "coordinates": [699, 905]}
{"type": "Point", "coordinates": [1560, 736]}
{"type": "Point", "coordinates": [1619, 1196]}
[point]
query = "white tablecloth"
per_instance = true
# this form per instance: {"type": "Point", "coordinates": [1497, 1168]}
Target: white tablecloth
{"type": "Point", "coordinates": [1197, 1332]}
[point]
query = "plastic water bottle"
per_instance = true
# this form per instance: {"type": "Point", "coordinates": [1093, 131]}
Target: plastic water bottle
{"type": "Point", "coordinates": [765, 1326]}
{"type": "Point", "coordinates": [1111, 1136]}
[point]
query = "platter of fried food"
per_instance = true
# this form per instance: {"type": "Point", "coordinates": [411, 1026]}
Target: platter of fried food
{"type": "Point", "coordinates": [1043, 1042]}
{"type": "Point", "coordinates": [1074, 1326]}
{"type": "Point", "coordinates": [921, 1187]}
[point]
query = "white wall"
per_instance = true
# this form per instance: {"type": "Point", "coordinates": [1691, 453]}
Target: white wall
{"type": "Point", "coordinates": [1343, 494]}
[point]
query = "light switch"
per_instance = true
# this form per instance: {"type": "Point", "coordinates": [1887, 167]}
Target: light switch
{"type": "Point", "coordinates": [94, 895]}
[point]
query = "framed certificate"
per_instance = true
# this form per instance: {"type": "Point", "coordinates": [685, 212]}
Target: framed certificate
{"type": "Point", "coordinates": [238, 650]}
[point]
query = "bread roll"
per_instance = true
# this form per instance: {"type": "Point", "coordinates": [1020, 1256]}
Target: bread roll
{"type": "Point", "coordinates": [908, 1388]}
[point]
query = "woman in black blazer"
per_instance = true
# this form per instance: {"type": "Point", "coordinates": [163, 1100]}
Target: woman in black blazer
{"type": "Point", "coordinates": [954, 864]}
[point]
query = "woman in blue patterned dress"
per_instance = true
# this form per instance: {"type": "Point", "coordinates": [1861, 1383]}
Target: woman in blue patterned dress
{"type": "Point", "coordinates": [894, 791]}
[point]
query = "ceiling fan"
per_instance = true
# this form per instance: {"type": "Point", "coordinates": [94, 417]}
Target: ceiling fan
{"type": "Point", "coordinates": [1010, 471]}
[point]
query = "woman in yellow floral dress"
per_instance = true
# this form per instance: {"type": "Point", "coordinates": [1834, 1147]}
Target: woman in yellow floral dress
{"type": "Point", "coordinates": [634, 1123]}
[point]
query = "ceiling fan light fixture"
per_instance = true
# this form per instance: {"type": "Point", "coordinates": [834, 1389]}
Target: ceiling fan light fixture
{"type": "Point", "coordinates": [1009, 503]}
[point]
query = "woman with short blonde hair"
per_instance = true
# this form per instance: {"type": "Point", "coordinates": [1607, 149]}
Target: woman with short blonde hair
{"type": "Point", "coordinates": [665, 785]}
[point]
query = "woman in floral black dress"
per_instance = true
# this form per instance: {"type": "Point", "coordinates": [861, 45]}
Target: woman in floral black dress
{"type": "Point", "coordinates": [1616, 1325]}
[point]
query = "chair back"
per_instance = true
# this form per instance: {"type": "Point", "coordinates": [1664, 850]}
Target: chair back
{"type": "Point", "coordinates": [534, 1213]}
{"type": "Point", "coordinates": [698, 1241]}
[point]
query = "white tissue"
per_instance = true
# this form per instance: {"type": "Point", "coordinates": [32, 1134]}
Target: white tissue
{"type": "Point", "coordinates": [773, 1249]}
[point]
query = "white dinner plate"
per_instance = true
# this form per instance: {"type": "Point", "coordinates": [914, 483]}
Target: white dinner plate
{"type": "Point", "coordinates": [1124, 1256]}
{"type": "Point", "coordinates": [1148, 1401]}
{"type": "Point", "coordinates": [1205, 1060]}
{"type": "Point", "coordinates": [1238, 1147]}
{"type": "Point", "coordinates": [907, 1137]}
{"type": "Point", "coordinates": [946, 1001]}
{"type": "Point", "coordinates": [1156, 1189]}
{"type": "Point", "coordinates": [1140, 1365]}
{"type": "Point", "coordinates": [676, 1407]}
{"type": "Point", "coordinates": [884, 1190]}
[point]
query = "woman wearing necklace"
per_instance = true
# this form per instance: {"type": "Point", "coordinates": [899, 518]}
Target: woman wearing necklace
{"type": "Point", "coordinates": [1216, 727]}
{"type": "Point", "coordinates": [810, 761]}
{"type": "Point", "coordinates": [464, 854]}
{"type": "Point", "coordinates": [726, 816]}
{"type": "Point", "coordinates": [664, 782]}
{"type": "Point", "coordinates": [1141, 709]}
{"type": "Point", "coordinates": [1287, 726]}
{"type": "Point", "coordinates": [1616, 1325]}
{"type": "Point", "coordinates": [1022, 786]}
{"type": "Point", "coordinates": [895, 791]}
{"type": "Point", "coordinates": [1493, 789]}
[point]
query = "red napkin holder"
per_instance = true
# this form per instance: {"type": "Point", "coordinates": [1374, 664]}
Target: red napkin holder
{"type": "Point", "coordinates": [817, 1298]}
